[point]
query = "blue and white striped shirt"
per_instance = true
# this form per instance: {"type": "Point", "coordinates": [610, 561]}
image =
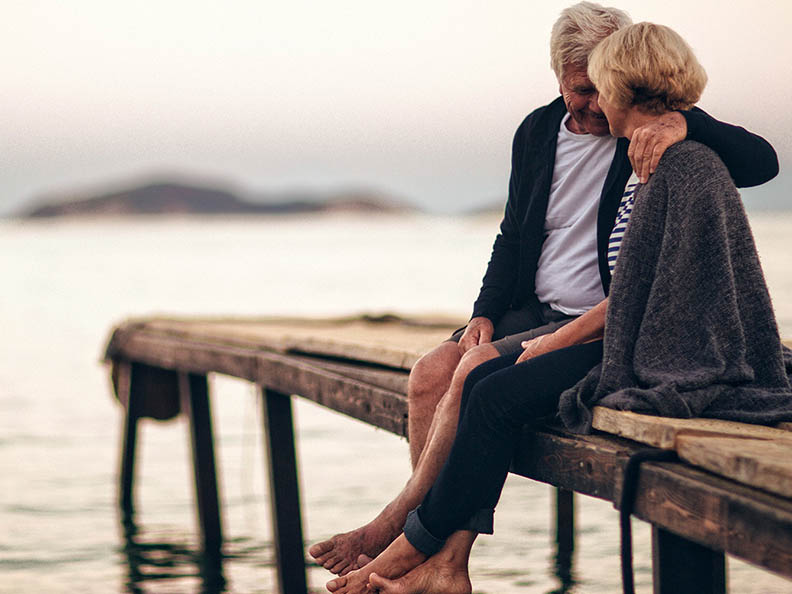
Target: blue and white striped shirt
{"type": "Point", "coordinates": [622, 218]}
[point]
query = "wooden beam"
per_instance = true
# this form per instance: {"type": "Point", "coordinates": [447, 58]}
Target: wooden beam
{"type": "Point", "coordinates": [388, 379]}
{"type": "Point", "coordinates": [126, 473]}
{"type": "Point", "coordinates": [714, 512]}
{"type": "Point", "coordinates": [284, 492]}
{"type": "Point", "coordinates": [194, 391]}
{"type": "Point", "coordinates": [564, 534]}
{"type": "Point", "coordinates": [376, 406]}
{"type": "Point", "coordinates": [680, 566]}
{"type": "Point", "coordinates": [283, 373]}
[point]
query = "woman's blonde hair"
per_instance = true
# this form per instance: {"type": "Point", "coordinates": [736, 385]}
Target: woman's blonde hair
{"type": "Point", "coordinates": [579, 29]}
{"type": "Point", "coordinates": [649, 66]}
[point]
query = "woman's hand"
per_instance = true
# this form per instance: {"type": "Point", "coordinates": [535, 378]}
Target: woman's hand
{"type": "Point", "coordinates": [590, 326]}
{"type": "Point", "coordinates": [536, 346]}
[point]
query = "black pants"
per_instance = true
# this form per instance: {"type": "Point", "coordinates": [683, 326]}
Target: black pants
{"type": "Point", "coordinates": [498, 399]}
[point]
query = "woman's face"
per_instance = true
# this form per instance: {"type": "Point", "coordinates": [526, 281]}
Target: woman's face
{"type": "Point", "coordinates": [617, 116]}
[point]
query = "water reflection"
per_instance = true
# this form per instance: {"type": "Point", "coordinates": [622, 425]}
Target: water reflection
{"type": "Point", "coordinates": [563, 569]}
{"type": "Point", "coordinates": [150, 564]}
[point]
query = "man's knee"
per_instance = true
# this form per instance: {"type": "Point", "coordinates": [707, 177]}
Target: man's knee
{"type": "Point", "coordinates": [433, 372]}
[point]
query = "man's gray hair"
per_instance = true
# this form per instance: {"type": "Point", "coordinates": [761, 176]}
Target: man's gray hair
{"type": "Point", "coordinates": [579, 29]}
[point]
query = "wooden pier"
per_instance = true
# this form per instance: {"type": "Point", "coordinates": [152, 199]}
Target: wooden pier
{"type": "Point", "coordinates": [730, 491]}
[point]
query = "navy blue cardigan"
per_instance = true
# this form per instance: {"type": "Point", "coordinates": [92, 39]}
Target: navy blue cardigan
{"type": "Point", "coordinates": [510, 277]}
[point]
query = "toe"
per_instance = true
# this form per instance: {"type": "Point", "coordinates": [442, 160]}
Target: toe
{"type": "Point", "coordinates": [384, 585]}
{"type": "Point", "coordinates": [334, 585]}
{"type": "Point", "coordinates": [363, 560]}
{"type": "Point", "coordinates": [341, 567]}
{"type": "Point", "coordinates": [320, 549]}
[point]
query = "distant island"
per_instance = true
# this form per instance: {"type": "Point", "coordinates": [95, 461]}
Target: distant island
{"type": "Point", "coordinates": [167, 198]}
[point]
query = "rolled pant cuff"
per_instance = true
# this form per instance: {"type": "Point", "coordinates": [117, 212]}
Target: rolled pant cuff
{"type": "Point", "coordinates": [482, 522]}
{"type": "Point", "coordinates": [419, 537]}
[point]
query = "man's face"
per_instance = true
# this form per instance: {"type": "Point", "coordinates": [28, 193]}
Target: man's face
{"type": "Point", "coordinates": [580, 97]}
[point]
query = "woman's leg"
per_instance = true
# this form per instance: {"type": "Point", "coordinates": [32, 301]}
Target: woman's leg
{"type": "Point", "coordinates": [473, 476]}
{"type": "Point", "coordinates": [494, 409]}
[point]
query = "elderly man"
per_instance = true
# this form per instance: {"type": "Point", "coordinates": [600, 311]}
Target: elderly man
{"type": "Point", "coordinates": [549, 261]}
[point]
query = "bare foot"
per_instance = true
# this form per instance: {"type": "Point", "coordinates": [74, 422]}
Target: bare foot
{"type": "Point", "coordinates": [443, 573]}
{"type": "Point", "coordinates": [399, 558]}
{"type": "Point", "coordinates": [432, 577]}
{"type": "Point", "coordinates": [342, 553]}
{"type": "Point", "coordinates": [363, 560]}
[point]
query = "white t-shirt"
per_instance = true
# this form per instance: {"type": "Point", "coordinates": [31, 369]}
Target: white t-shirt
{"type": "Point", "coordinates": [567, 277]}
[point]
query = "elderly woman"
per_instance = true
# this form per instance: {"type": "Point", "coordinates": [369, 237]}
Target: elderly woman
{"type": "Point", "coordinates": [688, 325]}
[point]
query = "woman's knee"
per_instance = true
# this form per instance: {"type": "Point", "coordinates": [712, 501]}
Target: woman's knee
{"type": "Point", "coordinates": [504, 400]}
{"type": "Point", "coordinates": [474, 358]}
{"type": "Point", "coordinates": [483, 406]}
{"type": "Point", "coordinates": [480, 365]}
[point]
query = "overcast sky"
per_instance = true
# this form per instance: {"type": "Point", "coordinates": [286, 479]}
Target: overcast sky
{"type": "Point", "coordinates": [418, 99]}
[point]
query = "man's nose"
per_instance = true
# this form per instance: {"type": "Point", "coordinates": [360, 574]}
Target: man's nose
{"type": "Point", "coordinates": [593, 103]}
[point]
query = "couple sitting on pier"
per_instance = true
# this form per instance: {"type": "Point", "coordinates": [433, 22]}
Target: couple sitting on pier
{"type": "Point", "coordinates": [687, 321]}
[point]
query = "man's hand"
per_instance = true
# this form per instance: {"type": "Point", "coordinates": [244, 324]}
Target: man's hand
{"type": "Point", "coordinates": [649, 142]}
{"type": "Point", "coordinates": [479, 331]}
{"type": "Point", "coordinates": [536, 346]}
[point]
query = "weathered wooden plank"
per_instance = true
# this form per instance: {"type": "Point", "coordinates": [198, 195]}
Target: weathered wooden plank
{"type": "Point", "coordinates": [187, 355]}
{"type": "Point", "coordinates": [716, 513]}
{"type": "Point", "coordinates": [758, 463]}
{"type": "Point", "coordinates": [379, 407]}
{"type": "Point", "coordinates": [376, 406]}
{"type": "Point", "coordinates": [392, 341]}
{"type": "Point", "coordinates": [751, 454]}
{"type": "Point", "coordinates": [590, 465]}
{"type": "Point", "coordinates": [389, 379]}
{"type": "Point", "coordinates": [663, 432]}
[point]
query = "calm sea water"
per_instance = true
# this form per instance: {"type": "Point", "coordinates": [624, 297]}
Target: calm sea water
{"type": "Point", "coordinates": [64, 285]}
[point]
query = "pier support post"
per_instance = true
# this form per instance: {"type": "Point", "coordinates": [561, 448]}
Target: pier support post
{"type": "Point", "coordinates": [565, 521]}
{"type": "Point", "coordinates": [127, 394]}
{"type": "Point", "coordinates": [194, 395]}
{"type": "Point", "coordinates": [680, 566]}
{"type": "Point", "coordinates": [284, 492]}
{"type": "Point", "coordinates": [564, 535]}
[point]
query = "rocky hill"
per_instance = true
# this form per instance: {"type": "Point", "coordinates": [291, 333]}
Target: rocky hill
{"type": "Point", "coordinates": [175, 199]}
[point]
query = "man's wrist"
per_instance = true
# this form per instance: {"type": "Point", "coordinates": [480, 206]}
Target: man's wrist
{"type": "Point", "coordinates": [692, 120]}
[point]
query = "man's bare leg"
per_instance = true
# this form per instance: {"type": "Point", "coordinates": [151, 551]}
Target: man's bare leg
{"type": "Point", "coordinates": [429, 380]}
{"type": "Point", "coordinates": [443, 573]}
{"type": "Point", "coordinates": [340, 554]}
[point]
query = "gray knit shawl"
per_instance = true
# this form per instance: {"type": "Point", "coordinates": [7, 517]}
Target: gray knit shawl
{"type": "Point", "coordinates": [690, 330]}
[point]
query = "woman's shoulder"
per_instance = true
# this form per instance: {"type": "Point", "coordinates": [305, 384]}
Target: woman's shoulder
{"type": "Point", "coordinates": [692, 160]}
